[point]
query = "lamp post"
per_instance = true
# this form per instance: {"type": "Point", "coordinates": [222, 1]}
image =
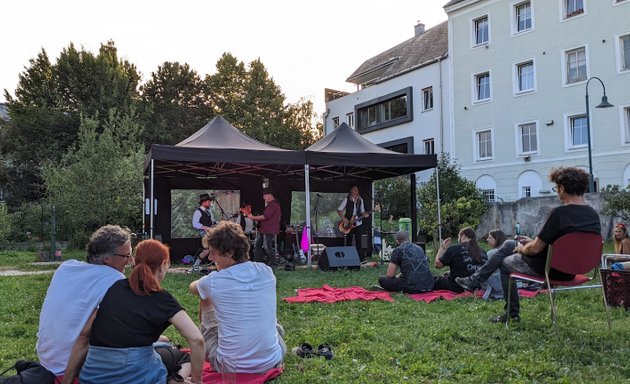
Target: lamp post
{"type": "Point", "coordinates": [603, 104]}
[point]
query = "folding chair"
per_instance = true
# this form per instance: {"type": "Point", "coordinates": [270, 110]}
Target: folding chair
{"type": "Point", "coordinates": [576, 254]}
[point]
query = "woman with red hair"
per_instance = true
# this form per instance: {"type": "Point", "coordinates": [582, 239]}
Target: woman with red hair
{"type": "Point", "coordinates": [131, 317]}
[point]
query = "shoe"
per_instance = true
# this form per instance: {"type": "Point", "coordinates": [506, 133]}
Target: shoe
{"type": "Point", "coordinates": [504, 319]}
{"type": "Point", "coordinates": [467, 283]}
{"type": "Point", "coordinates": [325, 351]}
{"type": "Point", "coordinates": [304, 350]}
{"type": "Point", "coordinates": [376, 288]}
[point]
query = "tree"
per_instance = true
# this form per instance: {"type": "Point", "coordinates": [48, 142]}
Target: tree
{"type": "Point", "coordinates": [304, 124]}
{"type": "Point", "coordinates": [461, 203]}
{"type": "Point", "coordinates": [226, 89]}
{"type": "Point", "coordinates": [617, 201]}
{"type": "Point", "coordinates": [49, 101]}
{"type": "Point", "coordinates": [100, 180]}
{"type": "Point", "coordinates": [174, 103]}
{"type": "Point", "coordinates": [393, 194]}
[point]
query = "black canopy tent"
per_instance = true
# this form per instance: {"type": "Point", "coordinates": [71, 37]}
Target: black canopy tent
{"type": "Point", "coordinates": [221, 156]}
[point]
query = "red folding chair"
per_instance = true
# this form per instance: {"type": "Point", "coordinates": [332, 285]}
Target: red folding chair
{"type": "Point", "coordinates": [576, 254]}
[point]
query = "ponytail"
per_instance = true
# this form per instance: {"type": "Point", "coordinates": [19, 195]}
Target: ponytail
{"type": "Point", "coordinates": [150, 255]}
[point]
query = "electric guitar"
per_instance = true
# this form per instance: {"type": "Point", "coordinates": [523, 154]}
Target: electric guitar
{"type": "Point", "coordinates": [345, 228]}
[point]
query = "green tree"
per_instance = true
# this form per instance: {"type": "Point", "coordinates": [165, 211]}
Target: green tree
{"type": "Point", "coordinates": [393, 194]}
{"type": "Point", "coordinates": [304, 123]}
{"type": "Point", "coordinates": [226, 89]}
{"type": "Point", "coordinates": [174, 103]}
{"type": "Point", "coordinates": [617, 201]}
{"type": "Point", "coordinates": [461, 203]}
{"type": "Point", "coordinates": [45, 112]}
{"type": "Point", "coordinates": [100, 180]}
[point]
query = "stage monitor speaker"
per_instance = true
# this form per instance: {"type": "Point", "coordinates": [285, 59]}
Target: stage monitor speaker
{"type": "Point", "coordinates": [335, 258]}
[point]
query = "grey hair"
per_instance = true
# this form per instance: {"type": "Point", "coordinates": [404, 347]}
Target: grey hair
{"type": "Point", "coordinates": [104, 242]}
{"type": "Point", "coordinates": [402, 235]}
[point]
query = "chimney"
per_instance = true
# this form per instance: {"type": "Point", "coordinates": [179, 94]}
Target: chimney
{"type": "Point", "coordinates": [419, 29]}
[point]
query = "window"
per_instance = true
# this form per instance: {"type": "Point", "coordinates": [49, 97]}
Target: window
{"type": "Point", "coordinates": [573, 8]}
{"type": "Point", "coordinates": [488, 194]}
{"type": "Point", "coordinates": [429, 147]}
{"type": "Point", "coordinates": [481, 27]}
{"type": "Point", "coordinates": [386, 111]}
{"type": "Point", "coordinates": [523, 14]}
{"type": "Point", "coordinates": [626, 125]}
{"type": "Point", "coordinates": [528, 138]}
{"type": "Point", "coordinates": [525, 76]}
{"type": "Point", "coordinates": [624, 48]}
{"type": "Point", "coordinates": [575, 65]}
{"type": "Point", "coordinates": [427, 98]}
{"type": "Point", "coordinates": [350, 119]}
{"type": "Point", "coordinates": [526, 191]}
{"type": "Point", "coordinates": [335, 122]}
{"type": "Point", "coordinates": [482, 86]}
{"type": "Point", "coordinates": [577, 131]}
{"type": "Point", "coordinates": [484, 145]}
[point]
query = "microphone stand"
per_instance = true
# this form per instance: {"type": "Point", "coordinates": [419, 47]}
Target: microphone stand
{"type": "Point", "coordinates": [316, 223]}
{"type": "Point", "coordinates": [223, 214]}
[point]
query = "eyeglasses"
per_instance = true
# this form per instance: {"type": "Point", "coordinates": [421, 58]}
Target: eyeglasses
{"type": "Point", "coordinates": [130, 254]}
{"type": "Point", "coordinates": [555, 189]}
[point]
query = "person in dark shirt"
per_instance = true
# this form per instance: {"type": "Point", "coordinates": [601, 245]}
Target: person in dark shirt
{"type": "Point", "coordinates": [415, 275]}
{"type": "Point", "coordinates": [529, 256]}
{"type": "Point", "coordinates": [268, 228]}
{"type": "Point", "coordinates": [463, 260]}
{"type": "Point", "coordinates": [131, 317]}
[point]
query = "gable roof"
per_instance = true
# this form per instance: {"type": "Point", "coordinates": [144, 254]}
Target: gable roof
{"type": "Point", "coordinates": [414, 53]}
{"type": "Point", "coordinates": [452, 2]}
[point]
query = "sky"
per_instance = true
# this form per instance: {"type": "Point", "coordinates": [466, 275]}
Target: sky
{"type": "Point", "coordinates": [306, 45]}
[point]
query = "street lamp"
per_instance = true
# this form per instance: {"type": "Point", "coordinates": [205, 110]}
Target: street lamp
{"type": "Point", "coordinates": [603, 104]}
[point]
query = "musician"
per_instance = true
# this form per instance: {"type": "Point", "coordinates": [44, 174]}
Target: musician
{"type": "Point", "coordinates": [268, 228]}
{"type": "Point", "coordinates": [352, 212]}
{"type": "Point", "coordinates": [202, 221]}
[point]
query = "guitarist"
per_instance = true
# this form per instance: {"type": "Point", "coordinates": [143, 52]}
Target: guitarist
{"type": "Point", "coordinates": [352, 212]}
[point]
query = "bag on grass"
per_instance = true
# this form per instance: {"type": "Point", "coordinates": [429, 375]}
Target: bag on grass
{"type": "Point", "coordinates": [28, 372]}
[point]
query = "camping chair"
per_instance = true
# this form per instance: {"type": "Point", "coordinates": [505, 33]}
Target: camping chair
{"type": "Point", "coordinates": [575, 253]}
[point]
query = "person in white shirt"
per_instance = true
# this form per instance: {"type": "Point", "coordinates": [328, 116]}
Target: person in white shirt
{"type": "Point", "coordinates": [202, 221]}
{"type": "Point", "coordinates": [352, 212]}
{"type": "Point", "coordinates": [238, 306]}
{"type": "Point", "coordinates": [75, 291]}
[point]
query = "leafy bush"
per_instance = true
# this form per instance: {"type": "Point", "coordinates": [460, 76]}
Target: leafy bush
{"type": "Point", "coordinates": [617, 201]}
{"type": "Point", "coordinates": [461, 203]}
{"type": "Point", "coordinates": [5, 225]}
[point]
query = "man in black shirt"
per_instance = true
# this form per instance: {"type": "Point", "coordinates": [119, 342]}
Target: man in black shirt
{"type": "Point", "coordinates": [415, 275]}
{"type": "Point", "coordinates": [530, 255]}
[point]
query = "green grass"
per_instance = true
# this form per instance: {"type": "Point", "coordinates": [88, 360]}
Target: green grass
{"type": "Point", "coordinates": [399, 342]}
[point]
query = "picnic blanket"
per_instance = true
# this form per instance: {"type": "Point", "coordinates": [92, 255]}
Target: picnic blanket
{"type": "Point", "coordinates": [328, 294]}
{"type": "Point", "coordinates": [208, 376]}
{"type": "Point", "coordinates": [428, 297]}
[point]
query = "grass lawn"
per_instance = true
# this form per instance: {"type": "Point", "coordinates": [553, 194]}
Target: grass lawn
{"type": "Point", "coordinates": [399, 342]}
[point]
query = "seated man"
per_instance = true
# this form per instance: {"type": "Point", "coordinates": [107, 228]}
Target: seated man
{"type": "Point", "coordinates": [75, 291]}
{"type": "Point", "coordinates": [529, 256]}
{"type": "Point", "coordinates": [415, 275]}
{"type": "Point", "coordinates": [238, 306]}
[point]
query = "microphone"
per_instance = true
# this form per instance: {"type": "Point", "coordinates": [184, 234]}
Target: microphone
{"type": "Point", "coordinates": [319, 195]}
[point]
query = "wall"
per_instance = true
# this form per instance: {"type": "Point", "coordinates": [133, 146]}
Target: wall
{"type": "Point", "coordinates": [531, 214]}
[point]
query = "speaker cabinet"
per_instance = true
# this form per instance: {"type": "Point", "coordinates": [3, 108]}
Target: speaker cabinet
{"type": "Point", "coordinates": [335, 258]}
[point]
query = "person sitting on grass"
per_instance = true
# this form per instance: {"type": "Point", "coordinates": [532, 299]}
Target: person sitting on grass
{"type": "Point", "coordinates": [492, 287]}
{"type": "Point", "coordinates": [463, 259]}
{"type": "Point", "coordinates": [415, 275]}
{"type": "Point", "coordinates": [238, 306]}
{"type": "Point", "coordinates": [131, 317]}
{"type": "Point", "coordinates": [75, 291]}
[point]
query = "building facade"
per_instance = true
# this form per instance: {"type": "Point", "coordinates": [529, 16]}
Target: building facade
{"type": "Point", "coordinates": [519, 72]}
{"type": "Point", "coordinates": [401, 101]}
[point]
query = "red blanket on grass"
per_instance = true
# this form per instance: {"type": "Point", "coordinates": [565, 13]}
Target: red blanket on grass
{"type": "Point", "coordinates": [209, 376]}
{"type": "Point", "coordinates": [328, 294]}
{"type": "Point", "coordinates": [428, 297]}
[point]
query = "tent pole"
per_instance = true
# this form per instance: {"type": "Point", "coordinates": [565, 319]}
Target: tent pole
{"type": "Point", "coordinates": [152, 201]}
{"type": "Point", "coordinates": [307, 196]}
{"type": "Point", "coordinates": [414, 208]}
{"type": "Point", "coordinates": [437, 192]}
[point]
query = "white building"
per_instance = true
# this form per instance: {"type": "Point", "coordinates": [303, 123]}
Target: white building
{"type": "Point", "coordinates": [401, 101]}
{"type": "Point", "coordinates": [519, 71]}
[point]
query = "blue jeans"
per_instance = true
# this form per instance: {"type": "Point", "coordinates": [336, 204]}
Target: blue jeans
{"type": "Point", "coordinates": [135, 365]}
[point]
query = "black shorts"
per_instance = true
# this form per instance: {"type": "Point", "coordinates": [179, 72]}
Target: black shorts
{"type": "Point", "coordinates": [173, 358]}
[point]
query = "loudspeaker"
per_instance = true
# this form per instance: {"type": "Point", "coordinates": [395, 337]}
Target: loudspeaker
{"type": "Point", "coordinates": [335, 258]}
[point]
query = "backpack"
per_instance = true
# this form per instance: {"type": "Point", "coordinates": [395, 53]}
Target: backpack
{"type": "Point", "coordinates": [28, 372]}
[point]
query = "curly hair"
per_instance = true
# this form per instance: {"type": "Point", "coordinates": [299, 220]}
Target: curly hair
{"type": "Point", "coordinates": [228, 237]}
{"type": "Point", "coordinates": [104, 242]}
{"type": "Point", "coordinates": [573, 180]}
